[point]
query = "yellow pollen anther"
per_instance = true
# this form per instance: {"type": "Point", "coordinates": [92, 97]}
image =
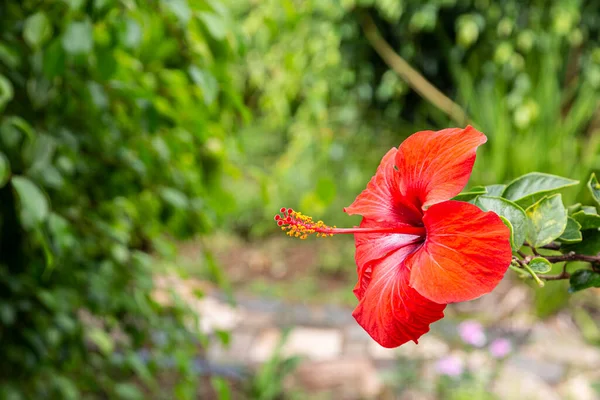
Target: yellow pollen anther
{"type": "Point", "coordinates": [299, 225]}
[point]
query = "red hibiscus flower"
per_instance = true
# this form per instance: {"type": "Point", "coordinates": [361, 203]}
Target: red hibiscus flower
{"type": "Point", "coordinates": [417, 250]}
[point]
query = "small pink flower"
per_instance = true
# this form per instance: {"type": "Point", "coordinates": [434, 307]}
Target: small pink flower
{"type": "Point", "coordinates": [471, 332]}
{"type": "Point", "coordinates": [450, 366]}
{"type": "Point", "coordinates": [500, 348]}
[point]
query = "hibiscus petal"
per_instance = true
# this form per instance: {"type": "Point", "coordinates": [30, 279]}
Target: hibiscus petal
{"type": "Point", "coordinates": [435, 166]}
{"type": "Point", "coordinates": [390, 310]}
{"type": "Point", "coordinates": [372, 247]}
{"type": "Point", "coordinates": [381, 200]}
{"type": "Point", "coordinates": [465, 255]}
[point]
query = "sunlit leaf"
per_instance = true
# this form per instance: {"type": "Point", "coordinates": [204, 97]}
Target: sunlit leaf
{"type": "Point", "coordinates": [214, 24]}
{"type": "Point", "coordinates": [4, 169]}
{"type": "Point", "coordinates": [78, 37]}
{"type": "Point", "coordinates": [101, 339]}
{"type": "Point", "coordinates": [33, 202]}
{"type": "Point", "coordinates": [495, 190]}
{"type": "Point", "coordinates": [587, 220]}
{"type": "Point", "coordinates": [531, 187]}
{"type": "Point", "coordinates": [471, 193]}
{"type": "Point", "coordinates": [128, 391]}
{"type": "Point", "coordinates": [509, 210]}
{"type": "Point", "coordinates": [572, 233]}
{"type": "Point", "coordinates": [37, 29]}
{"type": "Point", "coordinates": [548, 220]}
{"type": "Point", "coordinates": [540, 265]}
{"type": "Point", "coordinates": [594, 188]}
{"type": "Point", "coordinates": [6, 91]}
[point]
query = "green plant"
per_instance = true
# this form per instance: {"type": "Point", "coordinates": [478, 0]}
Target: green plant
{"type": "Point", "coordinates": [527, 73]}
{"type": "Point", "coordinates": [112, 121]}
{"type": "Point", "coordinates": [268, 381]}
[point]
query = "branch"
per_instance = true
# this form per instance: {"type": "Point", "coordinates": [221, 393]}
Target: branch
{"type": "Point", "coordinates": [414, 79]}
{"type": "Point", "coordinates": [563, 275]}
{"type": "Point", "coordinates": [572, 256]}
{"type": "Point", "coordinates": [550, 246]}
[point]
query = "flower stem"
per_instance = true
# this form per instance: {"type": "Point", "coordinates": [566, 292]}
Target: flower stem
{"type": "Point", "coordinates": [534, 275]}
{"type": "Point", "coordinates": [407, 230]}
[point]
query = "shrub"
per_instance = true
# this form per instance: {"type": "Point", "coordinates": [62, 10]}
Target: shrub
{"type": "Point", "coordinates": [112, 121]}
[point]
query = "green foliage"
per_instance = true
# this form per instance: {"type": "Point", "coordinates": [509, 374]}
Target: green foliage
{"type": "Point", "coordinates": [327, 110]}
{"type": "Point", "coordinates": [471, 194]}
{"type": "Point", "coordinates": [587, 220]}
{"type": "Point", "coordinates": [594, 188]}
{"type": "Point", "coordinates": [268, 382]}
{"type": "Point", "coordinates": [113, 117]}
{"type": "Point", "coordinates": [547, 225]}
{"type": "Point", "coordinates": [531, 187]}
{"type": "Point", "coordinates": [590, 244]}
{"type": "Point", "coordinates": [572, 233]}
{"type": "Point", "coordinates": [540, 265]}
{"type": "Point", "coordinates": [584, 279]}
{"type": "Point", "coordinates": [548, 220]}
{"type": "Point", "coordinates": [513, 214]}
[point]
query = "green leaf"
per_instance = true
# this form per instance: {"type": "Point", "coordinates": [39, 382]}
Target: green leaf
{"type": "Point", "coordinates": [540, 265]}
{"type": "Point", "coordinates": [66, 387]}
{"type": "Point", "coordinates": [589, 210]}
{"type": "Point", "coordinates": [74, 5]}
{"type": "Point", "coordinates": [9, 56]}
{"type": "Point", "coordinates": [572, 233]}
{"type": "Point", "coordinates": [214, 24]}
{"type": "Point", "coordinates": [21, 125]}
{"type": "Point", "coordinates": [594, 187]}
{"type": "Point", "coordinates": [573, 208]}
{"type": "Point", "coordinates": [587, 221]}
{"type": "Point", "coordinates": [548, 220]}
{"type": "Point", "coordinates": [6, 91]}
{"type": "Point", "coordinates": [4, 169]}
{"type": "Point", "coordinates": [140, 368]}
{"type": "Point", "coordinates": [590, 244]}
{"type": "Point", "coordinates": [78, 38]}
{"type": "Point", "coordinates": [7, 314]}
{"type": "Point", "coordinates": [512, 233]}
{"type": "Point", "coordinates": [224, 337]}
{"type": "Point", "coordinates": [206, 82]}
{"type": "Point", "coordinates": [101, 339]}
{"type": "Point", "coordinates": [221, 386]}
{"type": "Point", "coordinates": [495, 190]}
{"type": "Point", "coordinates": [531, 187]}
{"type": "Point", "coordinates": [583, 279]}
{"type": "Point", "coordinates": [34, 204]}
{"type": "Point", "coordinates": [37, 29]}
{"type": "Point", "coordinates": [128, 391]}
{"type": "Point", "coordinates": [509, 210]}
{"type": "Point", "coordinates": [180, 8]}
{"type": "Point", "coordinates": [174, 197]}
{"type": "Point", "coordinates": [471, 193]}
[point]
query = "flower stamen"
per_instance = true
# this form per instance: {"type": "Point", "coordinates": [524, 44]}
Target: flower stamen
{"type": "Point", "coordinates": [299, 225]}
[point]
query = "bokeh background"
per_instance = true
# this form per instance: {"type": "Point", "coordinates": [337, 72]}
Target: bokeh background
{"type": "Point", "coordinates": [145, 146]}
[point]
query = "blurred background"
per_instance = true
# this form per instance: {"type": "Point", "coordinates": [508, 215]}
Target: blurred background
{"type": "Point", "coordinates": [145, 146]}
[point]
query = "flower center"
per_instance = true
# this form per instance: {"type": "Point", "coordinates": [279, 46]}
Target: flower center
{"type": "Point", "coordinates": [298, 225]}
